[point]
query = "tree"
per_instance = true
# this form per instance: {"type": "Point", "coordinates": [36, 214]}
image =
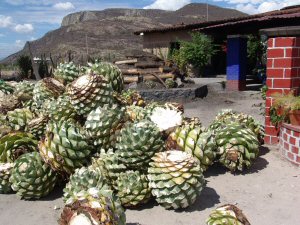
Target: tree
{"type": "Point", "coordinates": [24, 64]}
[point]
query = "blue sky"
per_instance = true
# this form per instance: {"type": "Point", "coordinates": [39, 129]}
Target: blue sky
{"type": "Point", "coordinates": [27, 20]}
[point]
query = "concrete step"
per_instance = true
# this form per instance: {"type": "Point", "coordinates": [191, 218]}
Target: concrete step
{"type": "Point", "coordinates": [253, 87]}
{"type": "Point", "coordinates": [252, 81]}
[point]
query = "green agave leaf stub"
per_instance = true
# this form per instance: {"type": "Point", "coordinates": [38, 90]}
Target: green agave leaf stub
{"type": "Point", "coordinates": [31, 177]}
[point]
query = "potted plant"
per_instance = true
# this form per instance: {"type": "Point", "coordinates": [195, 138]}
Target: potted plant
{"type": "Point", "coordinates": [294, 113]}
{"type": "Point", "coordinates": [279, 110]}
{"type": "Point", "coordinates": [286, 107]}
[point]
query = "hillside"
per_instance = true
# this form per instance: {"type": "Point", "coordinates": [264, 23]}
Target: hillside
{"type": "Point", "coordinates": [109, 33]}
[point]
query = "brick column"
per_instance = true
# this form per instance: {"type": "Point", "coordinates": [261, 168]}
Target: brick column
{"type": "Point", "coordinates": [283, 75]}
{"type": "Point", "coordinates": [236, 62]}
{"type": "Point", "coordinates": [289, 143]}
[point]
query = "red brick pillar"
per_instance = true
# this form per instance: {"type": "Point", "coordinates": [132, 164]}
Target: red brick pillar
{"type": "Point", "coordinates": [283, 75]}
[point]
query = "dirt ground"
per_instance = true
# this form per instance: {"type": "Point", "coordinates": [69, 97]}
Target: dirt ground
{"type": "Point", "coordinates": [268, 193]}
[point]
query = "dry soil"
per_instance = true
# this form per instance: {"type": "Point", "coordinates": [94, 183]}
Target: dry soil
{"type": "Point", "coordinates": [268, 193]}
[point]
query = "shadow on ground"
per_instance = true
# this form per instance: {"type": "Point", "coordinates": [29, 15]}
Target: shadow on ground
{"type": "Point", "coordinates": [207, 199]}
{"type": "Point", "coordinates": [263, 150]}
{"type": "Point", "coordinates": [215, 170]}
{"type": "Point", "coordinates": [55, 194]}
{"type": "Point", "coordinates": [149, 205]}
{"type": "Point", "coordinates": [259, 164]}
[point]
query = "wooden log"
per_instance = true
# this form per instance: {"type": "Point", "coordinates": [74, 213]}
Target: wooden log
{"type": "Point", "coordinates": [165, 69]}
{"type": "Point", "coordinates": [162, 76]}
{"type": "Point", "coordinates": [129, 61]}
{"type": "Point", "coordinates": [150, 70]}
{"type": "Point", "coordinates": [133, 72]}
{"type": "Point", "coordinates": [130, 72]}
{"type": "Point", "coordinates": [140, 71]}
{"type": "Point", "coordinates": [151, 58]}
{"type": "Point", "coordinates": [130, 79]}
{"type": "Point", "coordinates": [145, 65]}
{"type": "Point", "coordinates": [143, 57]}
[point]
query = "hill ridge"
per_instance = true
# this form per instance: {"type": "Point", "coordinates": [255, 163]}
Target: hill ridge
{"type": "Point", "coordinates": [109, 33]}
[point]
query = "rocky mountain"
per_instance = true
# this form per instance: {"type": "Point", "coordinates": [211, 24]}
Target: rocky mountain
{"type": "Point", "coordinates": [109, 33]}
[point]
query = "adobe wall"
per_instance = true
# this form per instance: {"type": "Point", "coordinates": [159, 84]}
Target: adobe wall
{"type": "Point", "coordinates": [163, 39]}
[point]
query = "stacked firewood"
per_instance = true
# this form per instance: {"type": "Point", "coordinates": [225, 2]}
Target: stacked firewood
{"type": "Point", "coordinates": [140, 68]}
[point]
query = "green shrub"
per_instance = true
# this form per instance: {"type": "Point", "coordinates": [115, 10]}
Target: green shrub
{"type": "Point", "coordinates": [196, 52]}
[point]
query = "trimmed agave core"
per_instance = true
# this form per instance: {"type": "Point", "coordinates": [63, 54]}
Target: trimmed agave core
{"type": "Point", "coordinates": [166, 118]}
{"type": "Point", "coordinates": [82, 81]}
{"type": "Point", "coordinates": [175, 179]}
{"type": "Point", "coordinates": [82, 219]}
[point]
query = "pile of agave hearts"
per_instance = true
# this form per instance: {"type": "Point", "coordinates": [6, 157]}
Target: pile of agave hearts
{"type": "Point", "coordinates": [110, 148]}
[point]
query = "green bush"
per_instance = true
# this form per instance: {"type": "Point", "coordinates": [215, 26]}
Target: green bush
{"type": "Point", "coordinates": [196, 52]}
{"type": "Point", "coordinates": [180, 60]}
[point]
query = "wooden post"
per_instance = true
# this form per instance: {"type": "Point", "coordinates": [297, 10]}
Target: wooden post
{"type": "Point", "coordinates": [34, 65]}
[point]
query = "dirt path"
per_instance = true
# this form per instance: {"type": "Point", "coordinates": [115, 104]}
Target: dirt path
{"type": "Point", "coordinates": [268, 193]}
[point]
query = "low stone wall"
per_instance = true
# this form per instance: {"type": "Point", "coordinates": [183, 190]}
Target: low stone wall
{"type": "Point", "coordinates": [175, 93]}
{"type": "Point", "coordinates": [289, 143]}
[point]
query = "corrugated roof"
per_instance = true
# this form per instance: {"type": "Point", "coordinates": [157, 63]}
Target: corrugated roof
{"type": "Point", "coordinates": [226, 22]}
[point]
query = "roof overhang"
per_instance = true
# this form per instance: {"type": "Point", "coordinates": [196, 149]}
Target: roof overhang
{"type": "Point", "coordinates": [253, 25]}
{"type": "Point", "coordinates": [287, 17]}
{"type": "Point", "coordinates": [281, 31]}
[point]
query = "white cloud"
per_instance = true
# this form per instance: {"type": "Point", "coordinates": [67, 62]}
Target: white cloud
{"type": "Point", "coordinates": [2, 35]}
{"type": "Point", "coordinates": [247, 8]}
{"type": "Point", "coordinates": [244, 1]}
{"type": "Point", "coordinates": [5, 21]}
{"type": "Point", "coordinates": [24, 28]}
{"type": "Point", "coordinates": [168, 4]}
{"type": "Point", "coordinates": [269, 6]}
{"type": "Point", "coordinates": [259, 6]}
{"type": "Point", "coordinates": [64, 6]}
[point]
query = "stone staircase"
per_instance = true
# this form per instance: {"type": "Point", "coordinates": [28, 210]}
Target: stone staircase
{"type": "Point", "coordinates": [253, 83]}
